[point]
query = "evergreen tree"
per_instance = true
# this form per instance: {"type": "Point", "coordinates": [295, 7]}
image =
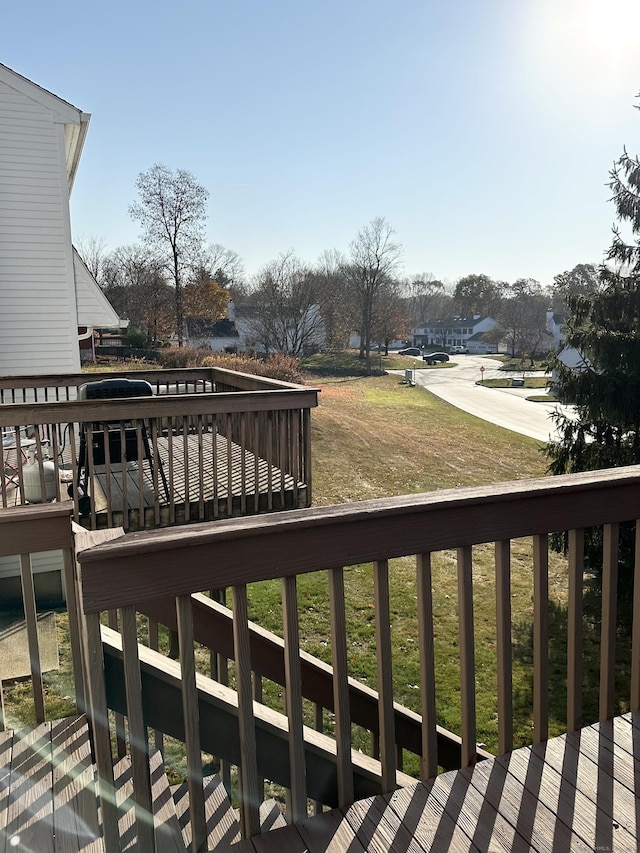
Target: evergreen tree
{"type": "Point", "coordinates": [604, 327]}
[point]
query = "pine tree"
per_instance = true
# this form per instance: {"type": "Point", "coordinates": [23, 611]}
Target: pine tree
{"type": "Point", "coordinates": [604, 327]}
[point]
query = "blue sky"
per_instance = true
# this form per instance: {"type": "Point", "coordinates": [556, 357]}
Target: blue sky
{"type": "Point", "coordinates": [482, 130]}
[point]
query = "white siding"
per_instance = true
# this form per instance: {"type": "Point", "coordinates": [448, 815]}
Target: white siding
{"type": "Point", "coordinates": [38, 322]}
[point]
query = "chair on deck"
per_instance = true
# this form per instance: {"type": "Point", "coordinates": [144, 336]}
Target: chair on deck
{"type": "Point", "coordinates": [121, 444]}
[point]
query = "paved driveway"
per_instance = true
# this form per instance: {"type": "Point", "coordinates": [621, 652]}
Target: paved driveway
{"type": "Point", "coordinates": [506, 407]}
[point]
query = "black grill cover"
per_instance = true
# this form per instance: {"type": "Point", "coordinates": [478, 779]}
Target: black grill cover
{"type": "Point", "coordinates": [109, 389]}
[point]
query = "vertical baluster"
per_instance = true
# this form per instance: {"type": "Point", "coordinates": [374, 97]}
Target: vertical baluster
{"type": "Point", "coordinates": [75, 638]}
{"type": "Point", "coordinates": [158, 737]}
{"type": "Point", "coordinates": [191, 716]}
{"type": "Point", "coordinates": [100, 731]}
{"type": "Point", "coordinates": [243, 462]}
{"type": "Point", "coordinates": [635, 641]}
{"type": "Point", "coordinates": [141, 455]}
{"type": "Point", "coordinates": [108, 473]}
{"type": "Point", "coordinates": [250, 795]}
{"type": "Point", "coordinates": [295, 453]}
{"type": "Point", "coordinates": [467, 655]}
{"type": "Point", "coordinates": [574, 630]}
{"type": "Point", "coordinates": [318, 725]}
{"type": "Point", "coordinates": [185, 463]}
{"type": "Point", "coordinates": [75, 471]}
{"type": "Point", "coordinates": [172, 485]}
{"type": "Point", "coordinates": [137, 731]}
{"type": "Point", "coordinates": [503, 645]}
{"type": "Point", "coordinates": [256, 461]}
{"type": "Point", "coordinates": [609, 627]}
{"type": "Point", "coordinates": [293, 694]}
{"type": "Point", "coordinates": [121, 742]}
{"type": "Point", "coordinates": [214, 462]}
{"type": "Point", "coordinates": [387, 726]}
{"type": "Point", "coordinates": [338, 624]}
{"type": "Point", "coordinates": [540, 638]}
{"type": "Point", "coordinates": [31, 618]}
{"type": "Point", "coordinates": [199, 435]}
{"type": "Point", "coordinates": [429, 762]}
{"type": "Point", "coordinates": [228, 433]}
{"type": "Point", "coordinates": [270, 439]}
{"type": "Point", "coordinates": [306, 437]}
{"type": "Point", "coordinates": [283, 450]}
{"type": "Point", "coordinates": [155, 464]}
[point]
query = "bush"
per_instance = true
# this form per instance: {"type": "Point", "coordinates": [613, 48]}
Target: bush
{"type": "Point", "coordinates": [178, 357]}
{"type": "Point", "coordinates": [278, 365]}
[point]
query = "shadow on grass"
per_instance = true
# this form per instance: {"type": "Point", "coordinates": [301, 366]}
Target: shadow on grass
{"type": "Point", "coordinates": [522, 639]}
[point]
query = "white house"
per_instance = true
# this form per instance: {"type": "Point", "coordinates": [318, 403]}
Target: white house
{"type": "Point", "coordinates": [456, 331]}
{"type": "Point", "coordinates": [46, 292]}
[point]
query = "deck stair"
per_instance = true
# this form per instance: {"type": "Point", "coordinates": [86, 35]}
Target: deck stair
{"type": "Point", "coordinates": [48, 798]}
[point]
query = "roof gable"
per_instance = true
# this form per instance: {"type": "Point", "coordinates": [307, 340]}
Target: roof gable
{"type": "Point", "coordinates": [94, 309]}
{"type": "Point", "coordinates": [74, 120]}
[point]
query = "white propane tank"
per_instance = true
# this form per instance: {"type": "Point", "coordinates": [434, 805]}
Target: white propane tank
{"type": "Point", "coordinates": [32, 484]}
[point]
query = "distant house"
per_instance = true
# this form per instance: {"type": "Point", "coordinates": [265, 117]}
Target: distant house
{"type": "Point", "coordinates": [555, 327]}
{"type": "Point", "coordinates": [244, 331]}
{"type": "Point", "coordinates": [448, 332]}
{"type": "Point", "coordinates": [219, 335]}
{"type": "Point", "coordinates": [47, 293]}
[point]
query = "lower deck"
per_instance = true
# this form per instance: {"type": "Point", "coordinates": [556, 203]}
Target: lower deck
{"type": "Point", "coordinates": [200, 477]}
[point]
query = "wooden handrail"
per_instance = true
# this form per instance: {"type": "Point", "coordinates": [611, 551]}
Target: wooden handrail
{"type": "Point", "coordinates": [181, 376]}
{"type": "Point", "coordinates": [134, 569]}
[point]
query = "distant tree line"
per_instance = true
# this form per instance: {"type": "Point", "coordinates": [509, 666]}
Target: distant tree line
{"type": "Point", "coordinates": [173, 275]}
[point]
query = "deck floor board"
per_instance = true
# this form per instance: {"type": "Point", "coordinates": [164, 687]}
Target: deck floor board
{"type": "Point", "coordinates": [578, 792]}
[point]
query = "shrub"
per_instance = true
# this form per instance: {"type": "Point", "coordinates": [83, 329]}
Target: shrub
{"type": "Point", "coordinates": [278, 365]}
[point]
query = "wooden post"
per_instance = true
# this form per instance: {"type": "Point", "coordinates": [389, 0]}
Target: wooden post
{"type": "Point", "coordinates": [467, 656]}
{"type": "Point", "coordinates": [574, 630]}
{"type": "Point", "coordinates": [429, 762]}
{"type": "Point", "coordinates": [503, 645]}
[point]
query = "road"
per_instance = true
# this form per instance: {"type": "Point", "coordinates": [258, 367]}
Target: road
{"type": "Point", "coordinates": [506, 407]}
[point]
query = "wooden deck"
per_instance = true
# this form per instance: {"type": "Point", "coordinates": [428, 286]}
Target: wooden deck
{"type": "Point", "coordinates": [578, 792]}
{"type": "Point", "coordinates": [205, 480]}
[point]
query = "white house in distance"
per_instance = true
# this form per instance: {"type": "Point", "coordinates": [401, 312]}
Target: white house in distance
{"type": "Point", "coordinates": [456, 331]}
{"type": "Point", "coordinates": [46, 292]}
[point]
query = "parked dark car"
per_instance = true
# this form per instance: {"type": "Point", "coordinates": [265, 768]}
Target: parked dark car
{"type": "Point", "coordinates": [409, 351]}
{"type": "Point", "coordinates": [434, 357]}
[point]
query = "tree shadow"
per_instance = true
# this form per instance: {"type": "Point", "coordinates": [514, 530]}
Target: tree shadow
{"type": "Point", "coordinates": [522, 643]}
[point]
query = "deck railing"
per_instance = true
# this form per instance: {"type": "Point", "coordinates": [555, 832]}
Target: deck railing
{"type": "Point", "coordinates": [209, 443]}
{"type": "Point", "coordinates": [129, 573]}
{"type": "Point", "coordinates": [25, 531]}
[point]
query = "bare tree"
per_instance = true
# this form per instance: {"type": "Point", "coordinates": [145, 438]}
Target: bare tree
{"type": "Point", "coordinates": [222, 265]}
{"type": "Point", "coordinates": [287, 316]}
{"type": "Point", "coordinates": [373, 263]}
{"type": "Point", "coordinates": [523, 316]}
{"type": "Point", "coordinates": [93, 251]}
{"type": "Point", "coordinates": [134, 281]}
{"type": "Point", "coordinates": [172, 210]}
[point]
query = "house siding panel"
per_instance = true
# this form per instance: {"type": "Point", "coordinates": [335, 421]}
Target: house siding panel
{"type": "Point", "coordinates": [38, 322]}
